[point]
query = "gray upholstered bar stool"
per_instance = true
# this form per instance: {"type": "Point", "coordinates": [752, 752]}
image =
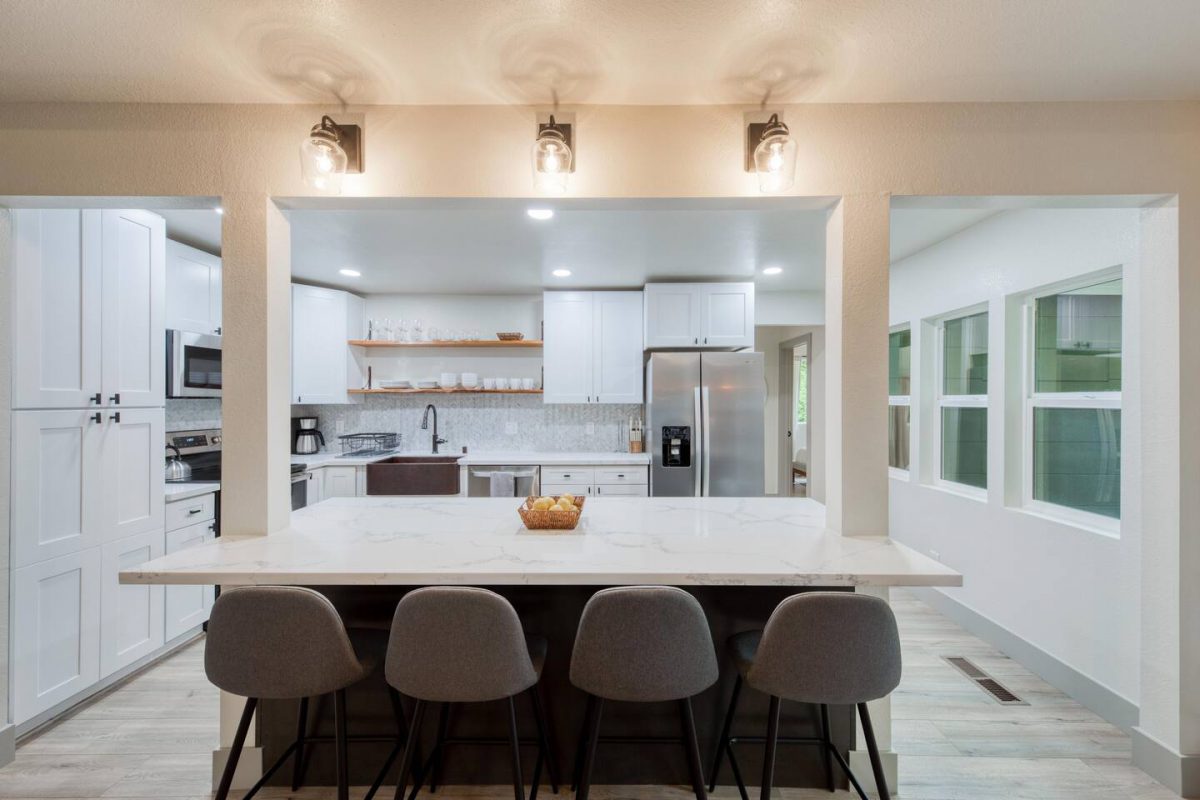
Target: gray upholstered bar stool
{"type": "Point", "coordinates": [284, 643]}
{"type": "Point", "coordinates": [454, 644]}
{"type": "Point", "coordinates": [642, 644]}
{"type": "Point", "coordinates": [822, 648]}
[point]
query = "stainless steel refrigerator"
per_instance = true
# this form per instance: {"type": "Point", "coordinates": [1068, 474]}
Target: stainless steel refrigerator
{"type": "Point", "coordinates": [704, 420]}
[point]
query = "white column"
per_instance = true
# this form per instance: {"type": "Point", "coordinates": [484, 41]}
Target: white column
{"type": "Point", "coordinates": [856, 335]}
{"type": "Point", "coordinates": [256, 311]}
{"type": "Point", "coordinates": [1166, 741]}
{"type": "Point", "coordinates": [857, 259]}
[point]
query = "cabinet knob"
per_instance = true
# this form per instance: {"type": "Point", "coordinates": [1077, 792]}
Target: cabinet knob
{"type": "Point", "coordinates": [96, 398]}
{"type": "Point", "coordinates": [115, 417]}
{"type": "Point", "coordinates": [115, 399]}
{"type": "Point", "coordinates": [217, 331]}
{"type": "Point", "coordinates": [96, 417]}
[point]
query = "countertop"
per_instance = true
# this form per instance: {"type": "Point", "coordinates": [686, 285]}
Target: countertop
{"type": "Point", "coordinates": [620, 540]}
{"type": "Point", "coordinates": [184, 491]}
{"type": "Point", "coordinates": [506, 458]}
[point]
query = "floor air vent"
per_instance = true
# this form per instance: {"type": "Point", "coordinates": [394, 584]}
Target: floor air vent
{"type": "Point", "coordinates": [996, 690]}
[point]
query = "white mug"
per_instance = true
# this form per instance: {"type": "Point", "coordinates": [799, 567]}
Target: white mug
{"type": "Point", "coordinates": [449, 380]}
{"type": "Point", "coordinates": [470, 380]}
{"type": "Point", "coordinates": [527, 383]}
{"type": "Point", "coordinates": [489, 383]}
{"type": "Point", "coordinates": [514, 383]}
{"type": "Point", "coordinates": [501, 383]}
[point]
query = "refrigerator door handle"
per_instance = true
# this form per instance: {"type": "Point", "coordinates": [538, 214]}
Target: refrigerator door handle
{"type": "Point", "coordinates": [701, 449]}
{"type": "Point", "coordinates": [704, 426]}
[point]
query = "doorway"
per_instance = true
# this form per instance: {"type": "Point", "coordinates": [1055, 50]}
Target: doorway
{"type": "Point", "coordinates": [795, 359]}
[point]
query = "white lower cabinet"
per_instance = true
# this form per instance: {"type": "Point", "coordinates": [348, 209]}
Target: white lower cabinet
{"type": "Point", "coordinates": [131, 615]}
{"type": "Point", "coordinates": [187, 607]}
{"type": "Point", "coordinates": [56, 631]}
{"type": "Point", "coordinates": [316, 488]}
{"type": "Point", "coordinates": [586, 480]}
{"type": "Point", "coordinates": [340, 482]}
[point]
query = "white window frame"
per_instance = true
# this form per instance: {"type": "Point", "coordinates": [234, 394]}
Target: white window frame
{"type": "Point", "coordinates": [902, 400]}
{"type": "Point", "coordinates": [1032, 400]}
{"type": "Point", "coordinates": [942, 400]}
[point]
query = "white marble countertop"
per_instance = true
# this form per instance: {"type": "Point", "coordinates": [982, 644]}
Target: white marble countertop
{"type": "Point", "coordinates": [620, 540]}
{"type": "Point", "coordinates": [185, 491]}
{"type": "Point", "coordinates": [506, 458]}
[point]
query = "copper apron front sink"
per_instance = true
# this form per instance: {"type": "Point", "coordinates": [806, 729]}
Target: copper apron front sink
{"type": "Point", "coordinates": [413, 475]}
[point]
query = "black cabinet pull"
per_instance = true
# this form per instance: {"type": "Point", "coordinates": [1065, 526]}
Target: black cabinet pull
{"type": "Point", "coordinates": [96, 417]}
{"type": "Point", "coordinates": [115, 417]}
{"type": "Point", "coordinates": [115, 399]}
{"type": "Point", "coordinates": [96, 398]}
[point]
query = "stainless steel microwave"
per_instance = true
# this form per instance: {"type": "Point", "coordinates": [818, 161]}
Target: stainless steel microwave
{"type": "Point", "coordinates": [193, 364]}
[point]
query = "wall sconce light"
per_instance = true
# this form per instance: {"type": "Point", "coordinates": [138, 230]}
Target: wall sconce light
{"type": "Point", "coordinates": [771, 152]}
{"type": "Point", "coordinates": [553, 159]}
{"type": "Point", "coordinates": [328, 152]}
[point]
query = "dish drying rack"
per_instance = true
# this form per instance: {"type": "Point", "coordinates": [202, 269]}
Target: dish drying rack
{"type": "Point", "coordinates": [367, 444]}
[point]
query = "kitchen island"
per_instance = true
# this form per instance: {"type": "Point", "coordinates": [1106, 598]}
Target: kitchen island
{"type": "Point", "coordinates": [738, 556]}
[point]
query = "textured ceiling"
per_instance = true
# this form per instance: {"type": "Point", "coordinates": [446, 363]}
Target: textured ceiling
{"type": "Point", "coordinates": [597, 51]}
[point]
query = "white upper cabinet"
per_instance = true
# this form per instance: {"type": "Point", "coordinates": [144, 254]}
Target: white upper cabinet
{"type": "Point", "coordinates": [134, 340]}
{"type": "Point", "coordinates": [727, 315]}
{"type": "Point", "coordinates": [699, 315]}
{"type": "Point", "coordinates": [617, 347]}
{"type": "Point", "coordinates": [323, 366]}
{"type": "Point", "coordinates": [193, 290]}
{"type": "Point", "coordinates": [567, 347]}
{"type": "Point", "coordinates": [88, 308]}
{"type": "Point", "coordinates": [593, 347]}
{"type": "Point", "coordinates": [56, 308]}
{"type": "Point", "coordinates": [672, 315]}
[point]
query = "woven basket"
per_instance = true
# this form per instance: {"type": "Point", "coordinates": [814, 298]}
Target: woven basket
{"type": "Point", "coordinates": [544, 520]}
{"type": "Point", "coordinates": [510, 336]}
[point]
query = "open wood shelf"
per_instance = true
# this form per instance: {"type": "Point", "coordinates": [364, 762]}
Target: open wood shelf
{"type": "Point", "coordinates": [530, 343]}
{"type": "Point", "coordinates": [458, 390]}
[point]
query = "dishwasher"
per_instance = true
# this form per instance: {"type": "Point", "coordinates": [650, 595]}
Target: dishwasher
{"type": "Point", "coordinates": [527, 480]}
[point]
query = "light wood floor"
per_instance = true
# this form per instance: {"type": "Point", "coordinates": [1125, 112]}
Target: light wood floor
{"type": "Point", "coordinates": [153, 737]}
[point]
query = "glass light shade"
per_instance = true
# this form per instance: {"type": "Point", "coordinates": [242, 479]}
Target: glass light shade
{"type": "Point", "coordinates": [551, 162]}
{"type": "Point", "coordinates": [775, 161]}
{"type": "Point", "coordinates": [322, 163]}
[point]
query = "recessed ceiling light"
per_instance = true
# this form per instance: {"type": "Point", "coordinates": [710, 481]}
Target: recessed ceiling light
{"type": "Point", "coordinates": [350, 273]}
{"type": "Point", "coordinates": [772, 270]}
{"type": "Point", "coordinates": [540, 213]}
{"type": "Point", "coordinates": [561, 273]}
{"type": "Point", "coordinates": [219, 210]}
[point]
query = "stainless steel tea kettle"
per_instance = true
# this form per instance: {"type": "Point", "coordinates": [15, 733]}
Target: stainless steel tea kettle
{"type": "Point", "coordinates": [178, 470]}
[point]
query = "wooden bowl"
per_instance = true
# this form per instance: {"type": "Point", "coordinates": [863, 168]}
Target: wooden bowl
{"type": "Point", "coordinates": [546, 520]}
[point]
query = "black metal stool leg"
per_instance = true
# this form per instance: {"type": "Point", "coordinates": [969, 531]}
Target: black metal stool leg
{"type": "Point", "coordinates": [339, 735]}
{"type": "Point", "coordinates": [827, 746]}
{"type": "Point", "coordinates": [439, 747]}
{"type": "Point", "coordinates": [545, 751]}
{"type": "Point", "coordinates": [301, 732]}
{"type": "Point", "coordinates": [768, 778]}
{"type": "Point", "coordinates": [581, 743]}
{"type": "Point", "coordinates": [596, 707]}
{"type": "Point", "coordinates": [235, 750]}
{"type": "Point", "coordinates": [873, 751]}
{"type": "Point", "coordinates": [692, 748]}
{"type": "Point", "coordinates": [515, 741]}
{"type": "Point", "coordinates": [406, 763]}
{"type": "Point", "coordinates": [723, 742]}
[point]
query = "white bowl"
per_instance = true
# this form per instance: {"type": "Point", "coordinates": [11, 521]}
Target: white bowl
{"type": "Point", "coordinates": [449, 380]}
{"type": "Point", "coordinates": [399, 383]}
{"type": "Point", "coordinates": [427, 383]}
{"type": "Point", "coordinates": [470, 380]}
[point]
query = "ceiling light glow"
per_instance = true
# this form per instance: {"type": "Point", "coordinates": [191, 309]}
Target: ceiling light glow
{"type": "Point", "coordinates": [350, 273]}
{"type": "Point", "coordinates": [561, 273]}
{"type": "Point", "coordinates": [219, 210]}
{"type": "Point", "coordinates": [540, 213]}
{"type": "Point", "coordinates": [772, 270]}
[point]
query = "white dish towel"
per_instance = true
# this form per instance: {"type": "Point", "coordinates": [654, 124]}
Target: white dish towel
{"type": "Point", "coordinates": [503, 484]}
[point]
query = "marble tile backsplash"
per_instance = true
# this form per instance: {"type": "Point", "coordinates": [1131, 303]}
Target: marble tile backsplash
{"type": "Point", "coordinates": [190, 415]}
{"type": "Point", "coordinates": [481, 422]}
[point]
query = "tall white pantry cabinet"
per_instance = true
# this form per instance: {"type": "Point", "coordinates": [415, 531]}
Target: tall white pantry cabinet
{"type": "Point", "coordinates": [87, 446]}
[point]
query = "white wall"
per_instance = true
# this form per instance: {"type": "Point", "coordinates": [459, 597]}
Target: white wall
{"type": "Point", "coordinates": [1071, 592]}
{"type": "Point", "coordinates": [789, 308]}
{"type": "Point", "coordinates": [5, 439]}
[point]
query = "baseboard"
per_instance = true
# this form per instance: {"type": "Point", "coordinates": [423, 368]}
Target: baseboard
{"type": "Point", "coordinates": [1086, 691]}
{"type": "Point", "coordinates": [8, 744]}
{"type": "Point", "coordinates": [1179, 773]}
